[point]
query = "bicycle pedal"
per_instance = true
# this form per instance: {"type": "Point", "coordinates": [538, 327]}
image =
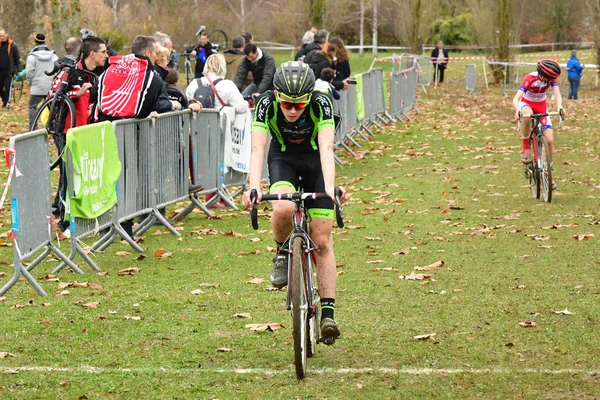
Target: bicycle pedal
{"type": "Point", "coordinates": [327, 340]}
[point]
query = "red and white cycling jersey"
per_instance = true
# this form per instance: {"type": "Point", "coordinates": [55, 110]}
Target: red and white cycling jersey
{"type": "Point", "coordinates": [535, 89]}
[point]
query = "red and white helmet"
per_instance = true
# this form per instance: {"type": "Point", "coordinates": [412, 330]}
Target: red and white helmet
{"type": "Point", "coordinates": [549, 69]}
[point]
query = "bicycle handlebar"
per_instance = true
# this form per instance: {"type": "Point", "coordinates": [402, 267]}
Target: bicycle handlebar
{"type": "Point", "coordinates": [295, 197]}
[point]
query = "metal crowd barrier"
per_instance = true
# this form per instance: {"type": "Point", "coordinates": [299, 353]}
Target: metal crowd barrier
{"type": "Point", "coordinates": [31, 208]}
{"type": "Point", "coordinates": [471, 78]}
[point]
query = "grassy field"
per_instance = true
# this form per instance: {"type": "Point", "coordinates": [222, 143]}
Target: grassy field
{"type": "Point", "coordinates": [447, 186]}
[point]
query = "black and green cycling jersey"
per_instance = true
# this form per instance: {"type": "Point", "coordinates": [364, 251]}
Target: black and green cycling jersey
{"type": "Point", "coordinates": [300, 135]}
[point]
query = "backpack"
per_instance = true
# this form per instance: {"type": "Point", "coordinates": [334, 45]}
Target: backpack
{"type": "Point", "coordinates": [123, 87]}
{"type": "Point", "coordinates": [205, 94]}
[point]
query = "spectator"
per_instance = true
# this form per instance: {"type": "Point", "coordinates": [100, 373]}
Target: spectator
{"type": "Point", "coordinates": [72, 47]}
{"type": "Point", "coordinates": [109, 50]}
{"type": "Point", "coordinates": [324, 84]}
{"type": "Point", "coordinates": [201, 52]}
{"type": "Point", "coordinates": [234, 57]}
{"type": "Point", "coordinates": [574, 69]}
{"type": "Point", "coordinates": [227, 93]}
{"type": "Point", "coordinates": [146, 100]}
{"type": "Point", "coordinates": [173, 90]}
{"type": "Point", "coordinates": [308, 38]}
{"type": "Point", "coordinates": [262, 66]}
{"type": "Point", "coordinates": [341, 60]}
{"type": "Point", "coordinates": [10, 64]}
{"type": "Point", "coordinates": [248, 38]}
{"type": "Point", "coordinates": [39, 60]}
{"type": "Point", "coordinates": [93, 58]}
{"type": "Point", "coordinates": [165, 40]}
{"type": "Point", "coordinates": [162, 60]}
{"type": "Point", "coordinates": [439, 58]}
{"type": "Point", "coordinates": [319, 40]}
{"type": "Point", "coordinates": [319, 59]}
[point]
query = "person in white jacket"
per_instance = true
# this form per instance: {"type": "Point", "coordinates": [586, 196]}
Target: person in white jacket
{"type": "Point", "coordinates": [39, 60]}
{"type": "Point", "coordinates": [215, 69]}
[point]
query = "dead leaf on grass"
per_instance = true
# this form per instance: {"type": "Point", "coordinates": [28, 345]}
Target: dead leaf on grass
{"type": "Point", "coordinates": [224, 350]}
{"type": "Point", "coordinates": [384, 269]}
{"type": "Point", "coordinates": [197, 291]}
{"type": "Point", "coordinates": [234, 233]}
{"type": "Point", "coordinates": [213, 285]}
{"type": "Point", "coordinates": [271, 327]}
{"type": "Point", "coordinates": [129, 271]}
{"type": "Point", "coordinates": [586, 236]}
{"type": "Point", "coordinates": [122, 253]}
{"type": "Point", "coordinates": [402, 252]}
{"type": "Point", "coordinates": [415, 277]}
{"type": "Point", "coordinates": [431, 267]}
{"type": "Point", "coordinates": [4, 354]}
{"type": "Point", "coordinates": [424, 337]}
{"type": "Point", "coordinates": [92, 304]}
{"type": "Point", "coordinates": [103, 273]}
{"type": "Point", "coordinates": [243, 315]}
{"type": "Point", "coordinates": [527, 324]}
{"type": "Point", "coordinates": [256, 281]}
{"type": "Point", "coordinates": [563, 312]}
{"type": "Point", "coordinates": [375, 262]}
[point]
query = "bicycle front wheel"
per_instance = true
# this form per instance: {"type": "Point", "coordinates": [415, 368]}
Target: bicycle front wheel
{"type": "Point", "coordinates": [55, 116]}
{"type": "Point", "coordinates": [299, 305]}
{"type": "Point", "coordinates": [545, 170]}
{"type": "Point", "coordinates": [534, 175]}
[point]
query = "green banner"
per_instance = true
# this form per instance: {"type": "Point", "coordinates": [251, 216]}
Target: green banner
{"type": "Point", "coordinates": [360, 101]}
{"type": "Point", "coordinates": [96, 169]}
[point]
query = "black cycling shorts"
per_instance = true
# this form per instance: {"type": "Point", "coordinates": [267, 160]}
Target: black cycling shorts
{"type": "Point", "coordinates": [288, 167]}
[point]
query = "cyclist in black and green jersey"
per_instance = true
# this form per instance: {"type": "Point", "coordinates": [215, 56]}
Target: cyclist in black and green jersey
{"type": "Point", "coordinates": [301, 125]}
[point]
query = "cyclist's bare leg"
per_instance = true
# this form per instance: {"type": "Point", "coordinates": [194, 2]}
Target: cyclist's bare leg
{"type": "Point", "coordinates": [281, 218]}
{"type": "Point", "coordinates": [320, 233]}
{"type": "Point", "coordinates": [549, 134]}
{"type": "Point", "coordinates": [525, 128]}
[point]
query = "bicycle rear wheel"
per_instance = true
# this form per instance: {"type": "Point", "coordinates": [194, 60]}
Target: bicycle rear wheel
{"type": "Point", "coordinates": [299, 306]}
{"type": "Point", "coordinates": [545, 170]}
{"type": "Point", "coordinates": [55, 115]}
{"type": "Point", "coordinates": [312, 332]}
{"type": "Point", "coordinates": [534, 174]}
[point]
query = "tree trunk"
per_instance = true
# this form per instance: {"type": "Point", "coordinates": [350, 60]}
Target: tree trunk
{"type": "Point", "coordinates": [361, 51]}
{"type": "Point", "coordinates": [415, 27]}
{"type": "Point", "coordinates": [375, 28]}
{"type": "Point", "coordinates": [503, 36]}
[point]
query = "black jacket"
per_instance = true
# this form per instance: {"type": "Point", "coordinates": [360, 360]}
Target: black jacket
{"type": "Point", "coordinates": [307, 49]}
{"type": "Point", "coordinates": [262, 70]}
{"type": "Point", "coordinates": [317, 62]}
{"type": "Point", "coordinates": [434, 55]}
{"type": "Point", "coordinates": [14, 59]}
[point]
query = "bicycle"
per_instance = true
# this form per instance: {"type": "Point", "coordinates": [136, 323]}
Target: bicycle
{"type": "Point", "coordinates": [18, 81]}
{"type": "Point", "coordinates": [539, 169]}
{"type": "Point", "coordinates": [57, 113]}
{"type": "Point", "coordinates": [302, 293]}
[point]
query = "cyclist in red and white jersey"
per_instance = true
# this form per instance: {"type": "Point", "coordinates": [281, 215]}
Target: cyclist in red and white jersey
{"type": "Point", "coordinates": [531, 98]}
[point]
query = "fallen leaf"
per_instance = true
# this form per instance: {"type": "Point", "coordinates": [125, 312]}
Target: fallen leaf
{"type": "Point", "coordinates": [63, 383]}
{"type": "Point", "coordinates": [159, 252]}
{"type": "Point", "coordinates": [354, 226]}
{"type": "Point", "coordinates": [64, 293]}
{"type": "Point", "coordinates": [4, 354]}
{"type": "Point", "coordinates": [402, 252]}
{"type": "Point", "coordinates": [140, 257]}
{"type": "Point", "coordinates": [431, 267]}
{"type": "Point", "coordinates": [92, 304]}
{"type": "Point", "coordinates": [563, 312]}
{"type": "Point", "coordinates": [271, 327]}
{"type": "Point", "coordinates": [256, 281]}
{"type": "Point", "coordinates": [3, 298]}
{"type": "Point", "coordinates": [243, 315]}
{"type": "Point", "coordinates": [586, 236]}
{"type": "Point", "coordinates": [272, 289]}
{"type": "Point", "coordinates": [213, 285]}
{"type": "Point", "coordinates": [255, 239]}
{"type": "Point", "coordinates": [134, 318]}
{"type": "Point", "coordinates": [129, 271]}
{"type": "Point", "coordinates": [224, 350]}
{"type": "Point", "coordinates": [527, 324]}
{"type": "Point", "coordinates": [197, 291]}
{"type": "Point", "coordinates": [415, 277]}
{"type": "Point", "coordinates": [424, 337]}
{"type": "Point", "coordinates": [95, 286]}
{"type": "Point", "coordinates": [103, 273]}
{"type": "Point", "coordinates": [372, 238]}
{"type": "Point", "coordinates": [385, 269]}
{"type": "Point", "coordinates": [122, 253]}
{"type": "Point", "coordinates": [10, 371]}
{"type": "Point", "coordinates": [375, 262]}
{"type": "Point", "coordinates": [234, 233]}
{"type": "Point", "coordinates": [166, 255]}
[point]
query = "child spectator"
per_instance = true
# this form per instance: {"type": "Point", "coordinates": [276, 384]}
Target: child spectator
{"type": "Point", "coordinates": [175, 92]}
{"type": "Point", "coordinates": [324, 84]}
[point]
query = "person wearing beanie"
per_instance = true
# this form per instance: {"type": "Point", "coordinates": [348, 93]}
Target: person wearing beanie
{"type": "Point", "coordinates": [39, 60]}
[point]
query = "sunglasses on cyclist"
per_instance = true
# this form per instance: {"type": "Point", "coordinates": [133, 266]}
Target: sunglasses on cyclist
{"type": "Point", "coordinates": [289, 102]}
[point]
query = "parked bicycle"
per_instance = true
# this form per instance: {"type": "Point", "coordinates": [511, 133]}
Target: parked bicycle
{"type": "Point", "coordinates": [539, 169]}
{"type": "Point", "coordinates": [18, 81]}
{"type": "Point", "coordinates": [57, 112]}
{"type": "Point", "coordinates": [302, 294]}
